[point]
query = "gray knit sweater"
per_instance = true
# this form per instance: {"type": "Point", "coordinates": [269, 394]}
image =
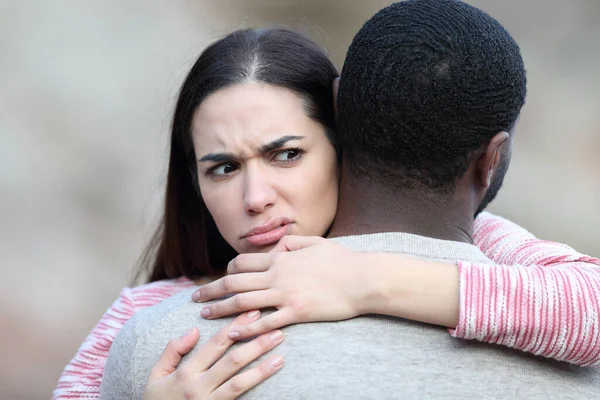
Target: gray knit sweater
{"type": "Point", "coordinates": [369, 357]}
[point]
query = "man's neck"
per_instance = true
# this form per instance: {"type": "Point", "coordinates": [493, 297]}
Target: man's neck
{"type": "Point", "coordinates": [370, 207]}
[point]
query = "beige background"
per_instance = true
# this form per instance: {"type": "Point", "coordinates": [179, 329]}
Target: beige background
{"type": "Point", "coordinates": [86, 92]}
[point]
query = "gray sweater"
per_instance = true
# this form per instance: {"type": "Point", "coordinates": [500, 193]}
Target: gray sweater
{"type": "Point", "coordinates": [369, 357]}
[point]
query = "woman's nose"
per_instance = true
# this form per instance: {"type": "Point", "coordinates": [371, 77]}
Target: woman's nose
{"type": "Point", "coordinates": [259, 193]}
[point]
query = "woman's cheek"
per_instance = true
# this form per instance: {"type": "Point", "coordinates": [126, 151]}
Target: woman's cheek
{"type": "Point", "coordinates": [211, 198]}
{"type": "Point", "coordinates": [225, 206]}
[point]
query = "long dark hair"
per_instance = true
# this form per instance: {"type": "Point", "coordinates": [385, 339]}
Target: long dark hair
{"type": "Point", "coordinates": [187, 242]}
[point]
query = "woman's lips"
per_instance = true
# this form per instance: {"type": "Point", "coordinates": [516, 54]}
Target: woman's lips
{"type": "Point", "coordinates": [262, 239]}
{"type": "Point", "coordinates": [268, 233]}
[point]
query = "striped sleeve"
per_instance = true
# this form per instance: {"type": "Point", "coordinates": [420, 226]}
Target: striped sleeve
{"type": "Point", "coordinates": [81, 378]}
{"type": "Point", "coordinates": [541, 297]}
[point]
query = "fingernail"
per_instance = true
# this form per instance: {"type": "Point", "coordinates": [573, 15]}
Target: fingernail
{"type": "Point", "coordinates": [277, 362]}
{"type": "Point", "coordinates": [196, 296]}
{"type": "Point", "coordinates": [276, 336]}
{"type": "Point", "coordinates": [253, 314]}
{"type": "Point", "coordinates": [234, 335]}
{"type": "Point", "coordinates": [188, 332]}
{"type": "Point", "coordinates": [205, 312]}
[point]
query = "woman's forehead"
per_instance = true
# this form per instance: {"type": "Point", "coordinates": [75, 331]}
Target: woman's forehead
{"type": "Point", "coordinates": [249, 99]}
{"type": "Point", "coordinates": [248, 116]}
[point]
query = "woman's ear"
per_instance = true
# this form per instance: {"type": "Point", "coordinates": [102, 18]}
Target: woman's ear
{"type": "Point", "coordinates": [336, 86]}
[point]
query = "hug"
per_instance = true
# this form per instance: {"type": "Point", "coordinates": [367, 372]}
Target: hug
{"type": "Point", "coordinates": [338, 232]}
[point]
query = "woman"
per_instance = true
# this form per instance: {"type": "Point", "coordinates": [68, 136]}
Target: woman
{"type": "Point", "coordinates": [293, 80]}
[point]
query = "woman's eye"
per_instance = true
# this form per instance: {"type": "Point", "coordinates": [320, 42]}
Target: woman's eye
{"type": "Point", "coordinates": [287, 155]}
{"type": "Point", "coordinates": [223, 169]}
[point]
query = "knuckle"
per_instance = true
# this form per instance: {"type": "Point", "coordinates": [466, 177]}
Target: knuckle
{"type": "Point", "coordinates": [220, 338]}
{"type": "Point", "coordinates": [182, 375]}
{"type": "Point", "coordinates": [272, 324]}
{"type": "Point", "coordinates": [265, 342]}
{"type": "Point", "coordinates": [239, 263]}
{"type": "Point", "coordinates": [189, 392]}
{"type": "Point", "coordinates": [268, 324]}
{"type": "Point", "coordinates": [240, 260]}
{"type": "Point", "coordinates": [228, 283]}
{"type": "Point", "coordinates": [240, 301]}
{"type": "Point", "coordinates": [235, 360]}
{"type": "Point", "coordinates": [298, 304]}
{"type": "Point", "coordinates": [235, 385]}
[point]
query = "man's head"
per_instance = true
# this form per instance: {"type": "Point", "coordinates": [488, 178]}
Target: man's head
{"type": "Point", "coordinates": [428, 99]}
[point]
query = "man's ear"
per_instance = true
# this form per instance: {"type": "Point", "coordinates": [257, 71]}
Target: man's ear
{"type": "Point", "coordinates": [491, 157]}
{"type": "Point", "coordinates": [336, 86]}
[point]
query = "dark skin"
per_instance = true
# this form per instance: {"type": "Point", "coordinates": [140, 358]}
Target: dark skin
{"type": "Point", "coordinates": [366, 206]}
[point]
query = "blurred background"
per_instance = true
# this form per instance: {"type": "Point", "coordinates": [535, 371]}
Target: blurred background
{"type": "Point", "coordinates": [86, 95]}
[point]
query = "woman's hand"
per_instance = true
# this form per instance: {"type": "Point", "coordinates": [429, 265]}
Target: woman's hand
{"type": "Point", "coordinates": [207, 374]}
{"type": "Point", "coordinates": [306, 278]}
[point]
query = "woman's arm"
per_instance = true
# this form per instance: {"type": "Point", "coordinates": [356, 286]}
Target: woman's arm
{"type": "Point", "coordinates": [322, 281]}
{"type": "Point", "coordinates": [544, 298]}
{"type": "Point", "coordinates": [82, 376]}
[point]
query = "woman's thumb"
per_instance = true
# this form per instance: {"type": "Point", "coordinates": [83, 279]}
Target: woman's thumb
{"type": "Point", "coordinates": [292, 243]}
{"type": "Point", "coordinates": [173, 353]}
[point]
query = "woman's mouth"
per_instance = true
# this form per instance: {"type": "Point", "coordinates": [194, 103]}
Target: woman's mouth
{"type": "Point", "coordinates": [268, 233]}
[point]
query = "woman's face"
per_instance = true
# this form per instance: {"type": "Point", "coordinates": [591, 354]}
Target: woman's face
{"type": "Point", "coordinates": [265, 169]}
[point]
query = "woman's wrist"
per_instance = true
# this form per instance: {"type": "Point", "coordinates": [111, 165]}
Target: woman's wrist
{"type": "Point", "coordinates": [405, 287]}
{"type": "Point", "coordinates": [379, 282]}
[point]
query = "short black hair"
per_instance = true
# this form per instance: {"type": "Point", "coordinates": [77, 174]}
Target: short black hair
{"type": "Point", "coordinates": [424, 84]}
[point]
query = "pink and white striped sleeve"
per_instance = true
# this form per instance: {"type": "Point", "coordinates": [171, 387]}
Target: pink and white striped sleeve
{"type": "Point", "coordinates": [541, 297]}
{"type": "Point", "coordinates": [81, 379]}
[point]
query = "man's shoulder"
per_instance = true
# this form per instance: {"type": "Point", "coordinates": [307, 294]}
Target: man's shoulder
{"type": "Point", "coordinates": [153, 293]}
{"type": "Point", "coordinates": [156, 325]}
{"type": "Point", "coordinates": [176, 304]}
{"type": "Point", "coordinates": [418, 246]}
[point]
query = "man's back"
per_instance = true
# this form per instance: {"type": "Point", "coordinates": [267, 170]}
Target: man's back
{"type": "Point", "coordinates": [365, 357]}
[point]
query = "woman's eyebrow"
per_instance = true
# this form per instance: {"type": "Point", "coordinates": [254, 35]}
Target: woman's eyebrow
{"type": "Point", "coordinates": [265, 148]}
{"type": "Point", "coordinates": [217, 157]}
{"type": "Point", "coordinates": [278, 143]}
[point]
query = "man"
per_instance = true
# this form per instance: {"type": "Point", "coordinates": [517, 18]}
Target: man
{"type": "Point", "coordinates": [428, 100]}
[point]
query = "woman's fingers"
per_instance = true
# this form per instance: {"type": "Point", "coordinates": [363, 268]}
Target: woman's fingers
{"type": "Point", "coordinates": [292, 243]}
{"type": "Point", "coordinates": [238, 358]}
{"type": "Point", "coordinates": [250, 262]}
{"type": "Point", "coordinates": [175, 350]}
{"type": "Point", "coordinates": [242, 302]}
{"type": "Point", "coordinates": [245, 381]}
{"type": "Point", "coordinates": [211, 351]}
{"type": "Point", "coordinates": [231, 284]}
{"type": "Point", "coordinates": [273, 321]}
